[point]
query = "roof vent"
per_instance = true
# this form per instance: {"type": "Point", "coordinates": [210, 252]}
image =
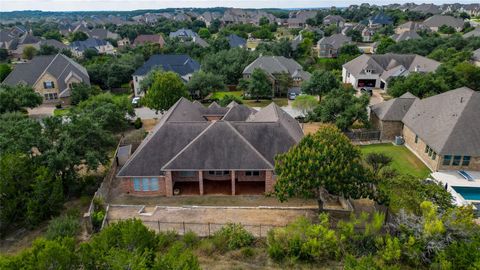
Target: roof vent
{"type": "Point", "coordinates": [461, 99]}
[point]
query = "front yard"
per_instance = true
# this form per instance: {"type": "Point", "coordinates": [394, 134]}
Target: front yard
{"type": "Point", "coordinates": [404, 161]}
{"type": "Point", "coordinates": [250, 102]}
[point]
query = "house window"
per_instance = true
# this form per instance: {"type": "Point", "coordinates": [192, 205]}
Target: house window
{"type": "Point", "coordinates": [50, 96]}
{"type": "Point", "coordinates": [427, 148]}
{"type": "Point", "coordinates": [466, 161]}
{"type": "Point", "coordinates": [252, 173]}
{"type": "Point", "coordinates": [434, 155]}
{"type": "Point", "coordinates": [447, 159]}
{"type": "Point", "coordinates": [430, 152]}
{"type": "Point", "coordinates": [145, 184]}
{"type": "Point", "coordinates": [154, 184]}
{"type": "Point", "coordinates": [218, 173]}
{"type": "Point", "coordinates": [416, 138]}
{"type": "Point", "coordinates": [136, 79]}
{"type": "Point", "coordinates": [136, 184]}
{"type": "Point", "coordinates": [456, 160]}
{"type": "Point", "coordinates": [48, 85]}
{"type": "Point", "coordinates": [187, 174]}
{"type": "Point", "coordinates": [211, 172]}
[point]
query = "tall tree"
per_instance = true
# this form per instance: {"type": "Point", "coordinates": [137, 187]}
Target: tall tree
{"type": "Point", "coordinates": [259, 85]}
{"type": "Point", "coordinates": [166, 89]}
{"type": "Point", "coordinates": [284, 81]}
{"type": "Point", "coordinates": [202, 83]}
{"type": "Point", "coordinates": [78, 36]}
{"type": "Point", "coordinates": [320, 84]}
{"type": "Point", "coordinates": [82, 91]}
{"type": "Point", "coordinates": [29, 52]}
{"type": "Point", "coordinates": [5, 69]}
{"type": "Point", "coordinates": [322, 163]}
{"type": "Point", "coordinates": [15, 98]}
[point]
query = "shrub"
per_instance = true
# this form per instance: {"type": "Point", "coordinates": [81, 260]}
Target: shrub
{"type": "Point", "coordinates": [303, 240]}
{"type": "Point", "coordinates": [232, 236]}
{"type": "Point", "coordinates": [190, 239]}
{"type": "Point", "coordinates": [97, 219]}
{"type": "Point", "coordinates": [138, 123]}
{"type": "Point", "coordinates": [177, 258]}
{"type": "Point", "coordinates": [166, 239]}
{"type": "Point", "coordinates": [65, 226]}
{"type": "Point", "coordinates": [206, 247]}
{"type": "Point", "coordinates": [229, 98]}
{"type": "Point", "coordinates": [58, 105]}
{"type": "Point", "coordinates": [247, 252]}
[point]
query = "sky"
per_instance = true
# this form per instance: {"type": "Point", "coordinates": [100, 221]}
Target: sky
{"type": "Point", "coordinates": [96, 5]}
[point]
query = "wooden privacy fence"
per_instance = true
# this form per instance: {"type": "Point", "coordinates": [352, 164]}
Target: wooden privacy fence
{"type": "Point", "coordinates": [201, 229]}
{"type": "Point", "coordinates": [369, 135]}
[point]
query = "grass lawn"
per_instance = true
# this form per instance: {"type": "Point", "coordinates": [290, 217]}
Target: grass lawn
{"type": "Point", "coordinates": [404, 161]}
{"type": "Point", "coordinates": [251, 103]}
{"type": "Point", "coordinates": [61, 112]}
{"type": "Point", "coordinates": [120, 96]}
{"type": "Point", "coordinates": [220, 95]}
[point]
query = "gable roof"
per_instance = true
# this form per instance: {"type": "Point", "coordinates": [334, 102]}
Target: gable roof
{"type": "Point", "coordinates": [335, 40]}
{"type": "Point", "coordinates": [181, 64]}
{"type": "Point", "coordinates": [380, 18]}
{"type": "Point", "coordinates": [59, 66]}
{"type": "Point", "coordinates": [439, 20]}
{"type": "Point", "coordinates": [474, 33]}
{"type": "Point", "coordinates": [185, 140]}
{"type": "Point", "coordinates": [90, 43]}
{"type": "Point", "coordinates": [275, 65]}
{"type": "Point", "coordinates": [449, 122]}
{"type": "Point", "coordinates": [394, 109]}
{"type": "Point", "coordinates": [236, 41]}
{"type": "Point", "coordinates": [183, 33]}
{"type": "Point", "coordinates": [407, 35]}
{"type": "Point", "coordinates": [412, 26]}
{"type": "Point", "coordinates": [427, 9]}
{"type": "Point", "coordinates": [383, 63]}
{"type": "Point", "coordinates": [141, 39]}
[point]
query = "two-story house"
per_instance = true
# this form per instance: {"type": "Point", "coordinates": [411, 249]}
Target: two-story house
{"type": "Point", "coordinates": [328, 47]}
{"type": "Point", "coordinates": [99, 45]}
{"type": "Point", "coordinates": [52, 76]}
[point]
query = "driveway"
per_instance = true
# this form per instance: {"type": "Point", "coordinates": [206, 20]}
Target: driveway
{"type": "Point", "coordinates": [147, 113]}
{"type": "Point", "coordinates": [376, 97]}
{"type": "Point", "coordinates": [42, 111]}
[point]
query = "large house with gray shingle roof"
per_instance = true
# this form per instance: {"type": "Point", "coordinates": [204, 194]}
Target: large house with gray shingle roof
{"type": "Point", "coordinates": [442, 130]}
{"type": "Point", "coordinates": [374, 71]}
{"type": "Point", "coordinates": [276, 65]}
{"type": "Point", "coordinates": [328, 47]}
{"type": "Point", "coordinates": [52, 76]}
{"type": "Point", "coordinates": [196, 150]}
{"type": "Point", "coordinates": [436, 21]}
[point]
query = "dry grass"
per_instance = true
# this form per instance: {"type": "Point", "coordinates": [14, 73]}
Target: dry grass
{"type": "Point", "coordinates": [310, 128]}
{"type": "Point", "coordinates": [149, 124]}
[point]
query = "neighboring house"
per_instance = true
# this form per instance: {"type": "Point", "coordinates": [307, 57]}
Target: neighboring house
{"type": "Point", "coordinates": [100, 33]}
{"type": "Point", "coordinates": [387, 116]}
{"type": "Point", "coordinates": [427, 9]}
{"type": "Point", "coordinates": [52, 76]}
{"type": "Point", "coordinates": [124, 42]}
{"type": "Point", "coordinates": [187, 35]}
{"type": "Point", "coordinates": [476, 57]}
{"type": "Point", "coordinates": [298, 19]}
{"type": "Point", "coordinates": [368, 34]}
{"type": "Point", "coordinates": [444, 130]}
{"type": "Point", "coordinates": [375, 70]}
{"type": "Point", "coordinates": [379, 20]}
{"type": "Point", "coordinates": [99, 45]}
{"type": "Point", "coordinates": [235, 41]}
{"type": "Point", "coordinates": [195, 150]}
{"type": "Point", "coordinates": [328, 46]}
{"type": "Point", "coordinates": [252, 43]}
{"type": "Point", "coordinates": [474, 33]}
{"type": "Point", "coordinates": [17, 45]}
{"type": "Point", "coordinates": [181, 64]}
{"type": "Point", "coordinates": [208, 17]}
{"type": "Point", "coordinates": [336, 20]}
{"type": "Point", "coordinates": [436, 21]}
{"type": "Point", "coordinates": [275, 65]}
{"type": "Point", "coordinates": [408, 35]}
{"type": "Point", "coordinates": [410, 26]}
{"type": "Point", "coordinates": [154, 39]}
{"type": "Point", "coordinates": [471, 9]}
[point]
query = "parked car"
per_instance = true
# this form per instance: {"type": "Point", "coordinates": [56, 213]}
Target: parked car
{"type": "Point", "coordinates": [292, 96]}
{"type": "Point", "coordinates": [136, 101]}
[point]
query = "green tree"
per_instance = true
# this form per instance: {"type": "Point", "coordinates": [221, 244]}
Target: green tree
{"type": "Point", "coordinates": [419, 84]}
{"type": "Point", "coordinates": [166, 89]}
{"type": "Point", "coordinates": [82, 91]}
{"type": "Point", "coordinates": [356, 35]}
{"type": "Point", "coordinates": [377, 161]}
{"type": "Point", "coordinates": [3, 54]}
{"type": "Point", "coordinates": [228, 63]}
{"type": "Point", "coordinates": [47, 50]}
{"type": "Point", "coordinates": [384, 45]}
{"type": "Point", "coordinates": [202, 83]}
{"type": "Point", "coordinates": [5, 69]}
{"type": "Point", "coordinates": [90, 53]}
{"type": "Point", "coordinates": [305, 103]}
{"type": "Point", "coordinates": [321, 83]}
{"type": "Point", "coordinates": [283, 82]}
{"type": "Point", "coordinates": [29, 52]}
{"type": "Point", "coordinates": [204, 33]}
{"type": "Point", "coordinates": [349, 49]}
{"type": "Point", "coordinates": [227, 99]}
{"type": "Point", "coordinates": [20, 134]}
{"type": "Point", "coordinates": [15, 98]}
{"type": "Point", "coordinates": [78, 36]}
{"type": "Point", "coordinates": [259, 85]}
{"type": "Point", "coordinates": [320, 164]}
{"type": "Point", "coordinates": [342, 108]}
{"type": "Point", "coordinates": [445, 29]}
{"type": "Point", "coordinates": [53, 34]}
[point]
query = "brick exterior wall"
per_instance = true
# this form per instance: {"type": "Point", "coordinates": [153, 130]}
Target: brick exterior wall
{"type": "Point", "coordinates": [127, 185]}
{"type": "Point", "coordinates": [178, 178]}
{"type": "Point", "coordinates": [473, 166]}
{"type": "Point", "coordinates": [269, 181]}
{"type": "Point", "coordinates": [419, 148]}
{"type": "Point", "coordinates": [388, 129]}
{"type": "Point", "coordinates": [241, 176]}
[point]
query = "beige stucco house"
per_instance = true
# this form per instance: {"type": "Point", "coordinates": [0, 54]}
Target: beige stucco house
{"type": "Point", "coordinates": [52, 76]}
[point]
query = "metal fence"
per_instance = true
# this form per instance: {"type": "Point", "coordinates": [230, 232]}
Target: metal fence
{"type": "Point", "coordinates": [201, 229]}
{"type": "Point", "coordinates": [370, 135]}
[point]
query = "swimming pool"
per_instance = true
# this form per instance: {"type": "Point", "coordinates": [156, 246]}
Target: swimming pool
{"type": "Point", "coordinates": [469, 193]}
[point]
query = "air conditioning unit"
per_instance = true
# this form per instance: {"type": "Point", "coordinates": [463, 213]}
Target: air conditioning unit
{"type": "Point", "coordinates": [399, 140]}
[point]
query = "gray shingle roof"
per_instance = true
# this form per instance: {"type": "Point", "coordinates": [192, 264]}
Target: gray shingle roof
{"type": "Point", "coordinates": [335, 40]}
{"type": "Point", "coordinates": [236, 41]}
{"type": "Point", "coordinates": [394, 109]}
{"type": "Point", "coordinates": [178, 63]}
{"type": "Point", "coordinates": [180, 33]}
{"type": "Point", "coordinates": [89, 43]}
{"type": "Point", "coordinates": [276, 65]}
{"type": "Point", "coordinates": [439, 20]}
{"type": "Point", "coordinates": [407, 35]}
{"type": "Point", "coordinates": [449, 122]}
{"type": "Point", "coordinates": [59, 66]}
{"type": "Point", "coordinates": [474, 33]}
{"type": "Point", "coordinates": [185, 140]}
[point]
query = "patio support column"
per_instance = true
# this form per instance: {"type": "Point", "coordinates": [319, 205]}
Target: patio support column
{"type": "Point", "coordinates": [269, 181]}
{"type": "Point", "coordinates": [200, 181]}
{"type": "Point", "coordinates": [232, 173]}
{"type": "Point", "coordinates": [168, 184]}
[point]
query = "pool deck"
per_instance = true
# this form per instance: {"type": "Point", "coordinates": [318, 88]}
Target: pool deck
{"type": "Point", "coordinates": [454, 179]}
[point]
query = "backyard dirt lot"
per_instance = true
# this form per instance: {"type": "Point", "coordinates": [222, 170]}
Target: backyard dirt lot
{"type": "Point", "coordinates": [205, 220]}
